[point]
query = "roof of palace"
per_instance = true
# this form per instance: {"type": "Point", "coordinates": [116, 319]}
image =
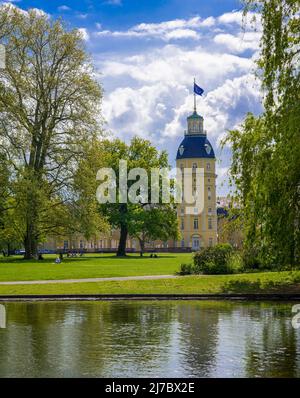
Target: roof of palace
{"type": "Point", "coordinates": [195, 146]}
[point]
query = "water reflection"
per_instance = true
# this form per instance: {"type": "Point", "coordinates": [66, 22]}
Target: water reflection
{"type": "Point", "coordinates": [150, 339]}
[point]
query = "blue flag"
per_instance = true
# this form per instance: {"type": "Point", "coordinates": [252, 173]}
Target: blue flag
{"type": "Point", "coordinates": [198, 90]}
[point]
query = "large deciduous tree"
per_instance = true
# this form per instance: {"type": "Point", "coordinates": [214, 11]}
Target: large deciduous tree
{"type": "Point", "coordinates": [141, 220]}
{"type": "Point", "coordinates": [49, 109]}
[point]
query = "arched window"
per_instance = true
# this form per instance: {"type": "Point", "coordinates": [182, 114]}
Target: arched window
{"type": "Point", "coordinates": [182, 223]}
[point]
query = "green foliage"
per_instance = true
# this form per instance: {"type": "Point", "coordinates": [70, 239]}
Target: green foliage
{"type": "Point", "coordinates": [186, 269]}
{"type": "Point", "coordinates": [220, 259]}
{"type": "Point", "coordinates": [266, 150]}
{"type": "Point", "coordinates": [49, 111]}
{"type": "Point", "coordinates": [235, 263]}
{"type": "Point", "coordinates": [143, 221]}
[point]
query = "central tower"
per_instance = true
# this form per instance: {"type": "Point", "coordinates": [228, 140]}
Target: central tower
{"type": "Point", "coordinates": [195, 151]}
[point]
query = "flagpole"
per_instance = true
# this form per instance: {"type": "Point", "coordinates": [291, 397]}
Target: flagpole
{"type": "Point", "coordinates": [195, 108]}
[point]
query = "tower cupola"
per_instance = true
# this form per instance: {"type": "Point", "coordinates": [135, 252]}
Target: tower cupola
{"type": "Point", "coordinates": [195, 124]}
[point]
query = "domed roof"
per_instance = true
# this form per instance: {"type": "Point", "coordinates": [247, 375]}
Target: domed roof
{"type": "Point", "coordinates": [194, 115]}
{"type": "Point", "coordinates": [195, 146]}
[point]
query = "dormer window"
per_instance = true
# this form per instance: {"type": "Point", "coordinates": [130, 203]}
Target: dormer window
{"type": "Point", "coordinates": [207, 148]}
{"type": "Point", "coordinates": [181, 150]}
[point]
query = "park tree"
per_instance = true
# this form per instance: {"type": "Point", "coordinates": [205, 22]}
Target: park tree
{"type": "Point", "coordinates": [266, 150]}
{"type": "Point", "coordinates": [85, 208]}
{"type": "Point", "coordinates": [49, 110]}
{"type": "Point", "coordinates": [9, 229]}
{"type": "Point", "coordinates": [140, 220]}
{"type": "Point", "coordinates": [154, 222]}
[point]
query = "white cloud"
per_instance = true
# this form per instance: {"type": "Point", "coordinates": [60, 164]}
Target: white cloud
{"type": "Point", "coordinates": [64, 8]}
{"type": "Point", "coordinates": [238, 18]}
{"type": "Point", "coordinates": [168, 30]}
{"type": "Point", "coordinates": [208, 22]}
{"type": "Point", "coordinates": [182, 34]}
{"type": "Point", "coordinates": [158, 98]}
{"type": "Point", "coordinates": [239, 43]}
{"type": "Point", "coordinates": [222, 179]}
{"type": "Point", "coordinates": [162, 99]}
{"type": "Point", "coordinates": [84, 33]}
{"type": "Point", "coordinates": [9, 6]}
{"type": "Point", "coordinates": [231, 17]}
{"type": "Point", "coordinates": [177, 65]}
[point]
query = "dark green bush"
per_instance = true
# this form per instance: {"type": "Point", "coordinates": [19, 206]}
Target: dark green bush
{"type": "Point", "coordinates": [186, 269]}
{"type": "Point", "coordinates": [214, 260]}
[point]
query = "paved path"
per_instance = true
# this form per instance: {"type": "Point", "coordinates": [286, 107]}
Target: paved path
{"type": "Point", "coordinates": [117, 278]}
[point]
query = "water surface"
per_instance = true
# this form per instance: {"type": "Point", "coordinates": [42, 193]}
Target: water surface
{"type": "Point", "coordinates": [149, 339]}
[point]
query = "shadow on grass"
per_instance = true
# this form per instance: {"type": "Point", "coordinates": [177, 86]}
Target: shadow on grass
{"type": "Point", "coordinates": [135, 257]}
{"type": "Point", "coordinates": [72, 260]}
{"type": "Point", "coordinates": [245, 286]}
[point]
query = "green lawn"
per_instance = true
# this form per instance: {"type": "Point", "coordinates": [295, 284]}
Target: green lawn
{"type": "Point", "coordinates": [91, 266]}
{"type": "Point", "coordinates": [272, 282]}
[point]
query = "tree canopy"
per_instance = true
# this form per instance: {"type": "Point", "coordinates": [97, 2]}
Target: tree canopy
{"type": "Point", "coordinates": [49, 110]}
{"type": "Point", "coordinates": [141, 220]}
{"type": "Point", "coordinates": [266, 150]}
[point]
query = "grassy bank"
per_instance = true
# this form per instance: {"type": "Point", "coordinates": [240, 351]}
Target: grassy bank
{"type": "Point", "coordinates": [272, 282]}
{"type": "Point", "coordinates": [90, 266]}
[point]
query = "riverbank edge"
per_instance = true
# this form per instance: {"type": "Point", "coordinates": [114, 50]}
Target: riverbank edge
{"type": "Point", "coordinates": [151, 297]}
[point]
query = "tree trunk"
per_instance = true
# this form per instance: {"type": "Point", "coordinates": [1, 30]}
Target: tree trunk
{"type": "Point", "coordinates": [30, 243]}
{"type": "Point", "coordinates": [123, 230]}
{"type": "Point", "coordinates": [142, 246]}
{"type": "Point", "coordinates": [122, 242]}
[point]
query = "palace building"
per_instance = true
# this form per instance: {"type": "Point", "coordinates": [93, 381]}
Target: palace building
{"type": "Point", "coordinates": [198, 228]}
{"type": "Point", "coordinates": [195, 151]}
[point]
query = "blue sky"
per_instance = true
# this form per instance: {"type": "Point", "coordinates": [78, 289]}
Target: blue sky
{"type": "Point", "coordinates": [146, 54]}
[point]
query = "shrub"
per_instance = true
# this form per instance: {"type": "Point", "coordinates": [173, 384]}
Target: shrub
{"type": "Point", "coordinates": [235, 263]}
{"type": "Point", "coordinates": [214, 260]}
{"type": "Point", "coordinates": [186, 269]}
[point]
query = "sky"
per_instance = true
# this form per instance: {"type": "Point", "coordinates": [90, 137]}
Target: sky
{"type": "Point", "coordinates": [147, 54]}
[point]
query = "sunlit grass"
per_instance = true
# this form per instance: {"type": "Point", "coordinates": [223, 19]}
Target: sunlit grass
{"type": "Point", "coordinates": [90, 266]}
{"type": "Point", "coordinates": [272, 282]}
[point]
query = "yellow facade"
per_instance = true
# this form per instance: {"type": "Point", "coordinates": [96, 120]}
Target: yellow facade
{"type": "Point", "coordinates": [199, 230]}
{"type": "Point", "coordinates": [195, 153]}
